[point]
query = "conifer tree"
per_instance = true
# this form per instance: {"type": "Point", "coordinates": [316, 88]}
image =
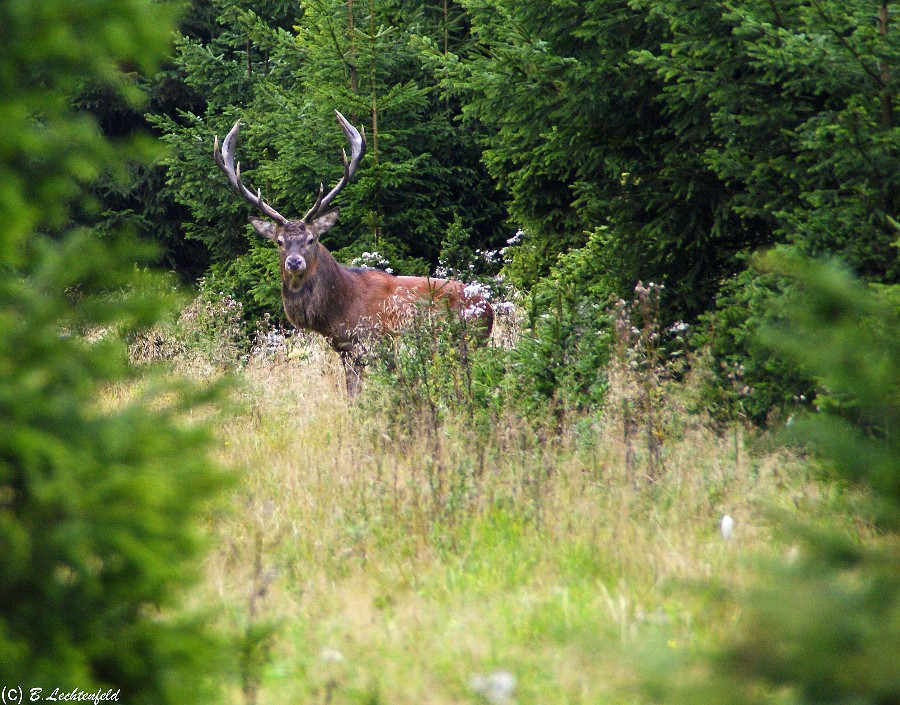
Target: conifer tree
{"type": "Point", "coordinates": [695, 134]}
{"type": "Point", "coordinates": [369, 60]}
{"type": "Point", "coordinates": [98, 499]}
{"type": "Point", "coordinates": [822, 627]}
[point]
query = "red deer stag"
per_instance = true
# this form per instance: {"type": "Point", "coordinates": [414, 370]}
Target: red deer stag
{"type": "Point", "coordinates": [344, 304]}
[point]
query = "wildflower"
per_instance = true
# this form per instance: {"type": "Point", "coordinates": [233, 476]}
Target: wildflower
{"type": "Point", "coordinates": [474, 310]}
{"type": "Point", "coordinates": [476, 289]}
{"type": "Point", "coordinates": [727, 527]}
{"type": "Point", "coordinates": [497, 688]}
{"type": "Point", "coordinates": [515, 239]}
{"type": "Point", "coordinates": [371, 260]}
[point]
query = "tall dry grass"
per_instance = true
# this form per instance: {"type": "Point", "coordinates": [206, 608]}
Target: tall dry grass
{"type": "Point", "coordinates": [363, 560]}
{"type": "Point", "coordinates": [355, 563]}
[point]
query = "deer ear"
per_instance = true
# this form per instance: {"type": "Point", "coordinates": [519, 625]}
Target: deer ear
{"type": "Point", "coordinates": [324, 223]}
{"type": "Point", "coordinates": [266, 228]}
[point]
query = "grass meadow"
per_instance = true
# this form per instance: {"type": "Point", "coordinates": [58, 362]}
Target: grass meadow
{"type": "Point", "coordinates": [355, 563]}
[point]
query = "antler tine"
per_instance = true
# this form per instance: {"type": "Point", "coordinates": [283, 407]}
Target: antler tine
{"type": "Point", "coordinates": [225, 159]}
{"type": "Point", "coordinates": [357, 150]}
{"type": "Point", "coordinates": [311, 213]}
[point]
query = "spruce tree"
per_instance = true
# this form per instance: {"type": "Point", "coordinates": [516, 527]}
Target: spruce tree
{"type": "Point", "coordinates": [370, 60]}
{"type": "Point", "coordinates": [99, 498]}
{"type": "Point", "coordinates": [695, 134]}
{"type": "Point", "coordinates": [821, 626]}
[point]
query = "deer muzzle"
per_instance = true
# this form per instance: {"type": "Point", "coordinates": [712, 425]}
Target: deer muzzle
{"type": "Point", "coordinates": [295, 264]}
{"type": "Point", "coordinates": [293, 271]}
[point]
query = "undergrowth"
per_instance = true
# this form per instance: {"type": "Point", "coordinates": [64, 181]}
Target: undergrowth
{"type": "Point", "coordinates": [438, 541]}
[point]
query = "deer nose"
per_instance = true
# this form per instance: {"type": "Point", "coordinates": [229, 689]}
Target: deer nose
{"type": "Point", "coordinates": [295, 263]}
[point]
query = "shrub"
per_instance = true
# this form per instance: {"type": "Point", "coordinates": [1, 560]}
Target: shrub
{"type": "Point", "coordinates": [434, 368]}
{"type": "Point", "coordinates": [749, 378]}
{"type": "Point", "coordinates": [560, 359]}
{"type": "Point", "coordinates": [208, 333]}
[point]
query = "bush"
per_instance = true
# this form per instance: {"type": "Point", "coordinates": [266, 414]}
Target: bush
{"type": "Point", "coordinates": [252, 279]}
{"type": "Point", "coordinates": [749, 379]}
{"type": "Point", "coordinates": [559, 361]}
{"type": "Point", "coordinates": [209, 331]}
{"type": "Point", "coordinates": [561, 356]}
{"type": "Point", "coordinates": [547, 372]}
{"type": "Point", "coordinates": [99, 501]}
{"type": "Point", "coordinates": [433, 370]}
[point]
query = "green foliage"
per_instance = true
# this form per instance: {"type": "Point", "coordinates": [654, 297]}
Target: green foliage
{"type": "Point", "coordinates": [748, 378]}
{"type": "Point", "coordinates": [435, 369]}
{"type": "Point", "coordinates": [664, 142]}
{"type": "Point", "coordinates": [457, 257]}
{"type": "Point", "coordinates": [825, 626]}
{"type": "Point", "coordinates": [566, 346]}
{"type": "Point", "coordinates": [63, 155]}
{"type": "Point", "coordinates": [253, 279]}
{"type": "Point", "coordinates": [99, 505]}
{"type": "Point", "coordinates": [135, 196]}
{"type": "Point", "coordinates": [847, 337]}
{"type": "Point", "coordinates": [283, 71]}
{"type": "Point", "coordinates": [553, 372]}
{"type": "Point", "coordinates": [575, 137]}
{"type": "Point", "coordinates": [209, 335]}
{"type": "Point", "coordinates": [833, 618]}
{"type": "Point", "coordinates": [558, 364]}
{"type": "Point", "coordinates": [98, 496]}
{"type": "Point", "coordinates": [697, 134]}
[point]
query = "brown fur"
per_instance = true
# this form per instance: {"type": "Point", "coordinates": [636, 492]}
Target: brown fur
{"type": "Point", "coordinates": [345, 304]}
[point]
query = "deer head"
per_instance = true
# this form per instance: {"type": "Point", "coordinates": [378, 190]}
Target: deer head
{"type": "Point", "coordinates": [297, 240]}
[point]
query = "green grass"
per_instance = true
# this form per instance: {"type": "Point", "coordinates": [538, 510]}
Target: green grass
{"type": "Point", "coordinates": [354, 564]}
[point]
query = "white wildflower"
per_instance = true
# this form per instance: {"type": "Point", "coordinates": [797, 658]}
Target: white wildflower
{"type": "Point", "coordinates": [498, 688]}
{"type": "Point", "coordinates": [727, 527]}
{"type": "Point", "coordinates": [476, 289]}
{"type": "Point", "coordinates": [371, 260]}
{"type": "Point", "coordinates": [474, 310]}
{"type": "Point", "coordinates": [517, 238]}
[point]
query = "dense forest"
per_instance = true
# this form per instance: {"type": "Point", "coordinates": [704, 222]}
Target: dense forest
{"type": "Point", "coordinates": [671, 476]}
{"type": "Point", "coordinates": [582, 147]}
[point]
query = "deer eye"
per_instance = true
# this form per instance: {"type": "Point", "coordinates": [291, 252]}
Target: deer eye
{"type": "Point", "coordinates": [279, 241]}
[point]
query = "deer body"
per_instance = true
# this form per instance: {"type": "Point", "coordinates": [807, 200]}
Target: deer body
{"type": "Point", "coordinates": [344, 304]}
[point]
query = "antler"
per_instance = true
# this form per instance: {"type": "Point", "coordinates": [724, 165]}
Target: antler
{"type": "Point", "coordinates": [225, 159]}
{"type": "Point", "coordinates": [357, 149]}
